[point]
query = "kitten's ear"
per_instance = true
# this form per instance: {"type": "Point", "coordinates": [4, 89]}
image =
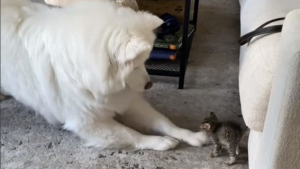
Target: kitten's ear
{"type": "Point", "coordinates": [213, 116]}
{"type": "Point", "coordinates": [206, 126]}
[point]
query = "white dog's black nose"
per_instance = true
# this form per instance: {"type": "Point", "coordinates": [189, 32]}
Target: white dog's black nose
{"type": "Point", "coordinates": [148, 85]}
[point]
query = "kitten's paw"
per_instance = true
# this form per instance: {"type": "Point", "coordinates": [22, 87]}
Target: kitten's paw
{"type": "Point", "coordinates": [228, 163]}
{"type": "Point", "coordinates": [213, 155]}
{"type": "Point", "coordinates": [237, 151]}
{"type": "Point", "coordinates": [231, 161]}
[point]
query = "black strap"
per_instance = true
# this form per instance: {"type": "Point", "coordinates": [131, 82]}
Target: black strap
{"type": "Point", "coordinates": [260, 31]}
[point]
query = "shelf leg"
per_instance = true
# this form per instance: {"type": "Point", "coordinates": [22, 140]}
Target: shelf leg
{"type": "Point", "coordinates": [185, 50]}
{"type": "Point", "coordinates": [181, 82]}
{"type": "Point", "coordinates": [195, 16]}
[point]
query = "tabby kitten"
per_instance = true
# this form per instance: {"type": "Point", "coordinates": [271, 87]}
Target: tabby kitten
{"type": "Point", "coordinates": [227, 134]}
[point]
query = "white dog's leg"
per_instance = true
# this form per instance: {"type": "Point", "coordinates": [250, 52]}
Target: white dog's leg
{"type": "Point", "coordinates": [108, 133]}
{"type": "Point", "coordinates": [142, 116]}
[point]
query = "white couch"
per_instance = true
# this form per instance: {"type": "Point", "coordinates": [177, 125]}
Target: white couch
{"type": "Point", "coordinates": [269, 82]}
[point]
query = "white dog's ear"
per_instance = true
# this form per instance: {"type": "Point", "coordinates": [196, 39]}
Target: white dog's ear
{"type": "Point", "coordinates": [132, 49]}
{"type": "Point", "coordinates": [151, 20]}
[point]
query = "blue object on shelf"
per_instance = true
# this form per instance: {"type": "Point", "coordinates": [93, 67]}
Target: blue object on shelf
{"type": "Point", "coordinates": [161, 54]}
{"type": "Point", "coordinates": [170, 25]}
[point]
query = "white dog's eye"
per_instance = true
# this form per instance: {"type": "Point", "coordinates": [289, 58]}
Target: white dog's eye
{"type": "Point", "coordinates": [135, 68]}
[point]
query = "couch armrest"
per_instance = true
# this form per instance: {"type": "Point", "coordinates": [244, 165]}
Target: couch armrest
{"type": "Point", "coordinates": [280, 144]}
{"type": "Point", "coordinates": [259, 59]}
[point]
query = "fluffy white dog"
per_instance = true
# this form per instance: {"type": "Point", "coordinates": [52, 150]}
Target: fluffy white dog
{"type": "Point", "coordinates": [82, 65]}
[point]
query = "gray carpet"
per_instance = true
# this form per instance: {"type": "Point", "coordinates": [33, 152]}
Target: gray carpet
{"type": "Point", "coordinates": [211, 85]}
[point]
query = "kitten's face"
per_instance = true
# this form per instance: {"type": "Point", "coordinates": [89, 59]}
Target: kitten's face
{"type": "Point", "coordinates": [209, 123]}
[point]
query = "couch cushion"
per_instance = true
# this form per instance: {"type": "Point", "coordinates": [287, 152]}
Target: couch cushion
{"type": "Point", "coordinates": [258, 60]}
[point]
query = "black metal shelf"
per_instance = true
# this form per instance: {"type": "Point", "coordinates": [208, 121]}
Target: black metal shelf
{"type": "Point", "coordinates": [177, 68]}
{"type": "Point", "coordinates": [163, 68]}
{"type": "Point", "coordinates": [167, 67]}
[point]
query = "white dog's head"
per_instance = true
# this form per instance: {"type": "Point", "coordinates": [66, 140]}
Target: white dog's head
{"type": "Point", "coordinates": [131, 49]}
{"type": "Point", "coordinates": [129, 45]}
{"type": "Point", "coordinates": [107, 45]}
{"type": "Point", "coordinates": [131, 60]}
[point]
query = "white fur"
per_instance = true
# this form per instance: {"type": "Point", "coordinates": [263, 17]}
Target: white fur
{"type": "Point", "coordinates": [83, 64]}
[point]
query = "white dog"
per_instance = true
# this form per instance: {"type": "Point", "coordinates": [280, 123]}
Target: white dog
{"type": "Point", "coordinates": [82, 65]}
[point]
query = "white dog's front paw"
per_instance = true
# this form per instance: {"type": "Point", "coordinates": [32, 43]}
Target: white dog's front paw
{"type": "Point", "coordinates": [197, 139]}
{"type": "Point", "coordinates": [158, 143]}
{"type": "Point", "coordinates": [166, 143]}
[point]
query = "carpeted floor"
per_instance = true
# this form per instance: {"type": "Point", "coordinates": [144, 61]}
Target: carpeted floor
{"type": "Point", "coordinates": [211, 85]}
